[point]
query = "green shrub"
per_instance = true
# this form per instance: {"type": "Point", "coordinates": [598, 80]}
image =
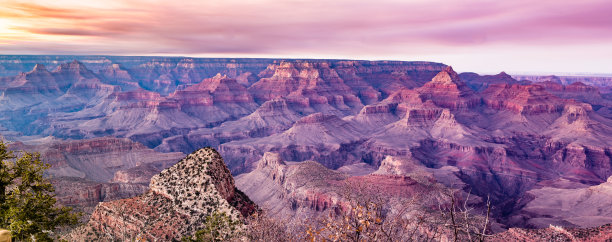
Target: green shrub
{"type": "Point", "coordinates": [27, 201]}
{"type": "Point", "coordinates": [218, 227]}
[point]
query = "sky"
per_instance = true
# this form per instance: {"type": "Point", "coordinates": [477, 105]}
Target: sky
{"type": "Point", "coordinates": [484, 36]}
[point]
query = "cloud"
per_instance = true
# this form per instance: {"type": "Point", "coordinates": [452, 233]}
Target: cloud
{"type": "Point", "coordinates": [58, 31]}
{"type": "Point", "coordinates": [380, 29]}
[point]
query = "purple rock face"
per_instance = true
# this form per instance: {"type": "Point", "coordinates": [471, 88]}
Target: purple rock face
{"type": "Point", "coordinates": [492, 135]}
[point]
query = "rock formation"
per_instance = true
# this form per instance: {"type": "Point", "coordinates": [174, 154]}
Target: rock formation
{"type": "Point", "coordinates": [555, 233]}
{"type": "Point", "coordinates": [295, 190]}
{"type": "Point", "coordinates": [308, 86]}
{"type": "Point", "coordinates": [600, 81]}
{"type": "Point", "coordinates": [448, 91]}
{"type": "Point", "coordinates": [573, 206]}
{"type": "Point", "coordinates": [494, 135]}
{"type": "Point", "coordinates": [177, 203]}
{"type": "Point", "coordinates": [480, 83]}
{"type": "Point", "coordinates": [529, 99]}
{"type": "Point", "coordinates": [86, 172]}
{"type": "Point", "coordinates": [97, 159]}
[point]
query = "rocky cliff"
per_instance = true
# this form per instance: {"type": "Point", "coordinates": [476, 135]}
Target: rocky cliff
{"type": "Point", "coordinates": [494, 135]}
{"type": "Point", "coordinates": [555, 233]}
{"type": "Point", "coordinates": [96, 159]}
{"type": "Point", "coordinates": [86, 172]}
{"type": "Point", "coordinates": [295, 190]}
{"type": "Point", "coordinates": [600, 81]}
{"type": "Point", "coordinates": [479, 83]}
{"type": "Point", "coordinates": [447, 90]}
{"type": "Point", "coordinates": [567, 204]}
{"type": "Point", "coordinates": [177, 203]}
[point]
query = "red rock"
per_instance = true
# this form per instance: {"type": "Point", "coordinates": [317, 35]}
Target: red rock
{"type": "Point", "coordinates": [222, 88]}
{"type": "Point", "coordinates": [577, 91]}
{"type": "Point", "coordinates": [447, 90]}
{"type": "Point", "coordinates": [505, 142]}
{"type": "Point", "coordinates": [137, 95]}
{"type": "Point", "coordinates": [599, 81]}
{"type": "Point", "coordinates": [174, 207]}
{"type": "Point", "coordinates": [308, 189]}
{"type": "Point", "coordinates": [527, 99]}
{"type": "Point", "coordinates": [480, 83]}
{"type": "Point", "coordinates": [306, 84]}
{"type": "Point", "coordinates": [385, 77]}
{"type": "Point", "coordinates": [138, 174]}
{"type": "Point", "coordinates": [84, 195]}
{"type": "Point", "coordinates": [97, 159]}
{"type": "Point", "coordinates": [81, 171]}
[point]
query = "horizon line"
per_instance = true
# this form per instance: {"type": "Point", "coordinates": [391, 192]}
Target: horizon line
{"type": "Point", "coordinates": [513, 73]}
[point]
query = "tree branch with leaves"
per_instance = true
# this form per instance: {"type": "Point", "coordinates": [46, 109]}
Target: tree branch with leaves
{"type": "Point", "coordinates": [27, 200]}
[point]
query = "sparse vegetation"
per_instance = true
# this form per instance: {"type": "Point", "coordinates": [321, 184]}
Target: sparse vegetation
{"type": "Point", "coordinates": [218, 227]}
{"type": "Point", "coordinates": [369, 218]}
{"type": "Point", "coordinates": [462, 220]}
{"type": "Point", "coordinates": [265, 228]}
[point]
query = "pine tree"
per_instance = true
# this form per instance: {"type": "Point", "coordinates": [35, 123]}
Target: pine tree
{"type": "Point", "coordinates": [27, 200]}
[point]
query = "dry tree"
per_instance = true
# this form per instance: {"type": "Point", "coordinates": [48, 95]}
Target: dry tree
{"type": "Point", "coordinates": [368, 216]}
{"type": "Point", "coordinates": [463, 220]}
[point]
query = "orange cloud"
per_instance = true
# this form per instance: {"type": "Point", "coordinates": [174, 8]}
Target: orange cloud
{"type": "Point", "coordinates": [28, 10]}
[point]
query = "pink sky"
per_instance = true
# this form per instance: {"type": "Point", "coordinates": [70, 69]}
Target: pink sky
{"type": "Point", "coordinates": [484, 36]}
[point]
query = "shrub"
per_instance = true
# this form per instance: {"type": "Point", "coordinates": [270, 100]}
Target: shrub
{"type": "Point", "coordinates": [27, 201]}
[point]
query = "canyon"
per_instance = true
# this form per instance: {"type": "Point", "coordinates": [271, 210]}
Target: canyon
{"type": "Point", "coordinates": [86, 172]}
{"type": "Point", "coordinates": [295, 133]}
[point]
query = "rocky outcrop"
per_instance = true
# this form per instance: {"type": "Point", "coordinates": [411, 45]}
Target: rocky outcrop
{"type": "Point", "coordinates": [599, 81]}
{"type": "Point", "coordinates": [577, 91]}
{"type": "Point", "coordinates": [86, 172]}
{"type": "Point", "coordinates": [447, 90]}
{"type": "Point", "coordinates": [69, 73]}
{"type": "Point", "coordinates": [138, 174]}
{"type": "Point", "coordinates": [295, 190]}
{"type": "Point", "coordinates": [211, 101]}
{"type": "Point", "coordinates": [177, 203]}
{"type": "Point", "coordinates": [527, 99]}
{"type": "Point", "coordinates": [117, 74]}
{"type": "Point", "coordinates": [97, 159]}
{"type": "Point", "coordinates": [270, 118]}
{"type": "Point", "coordinates": [325, 138]}
{"type": "Point", "coordinates": [84, 195]}
{"type": "Point", "coordinates": [308, 86]}
{"type": "Point", "coordinates": [35, 86]}
{"type": "Point", "coordinates": [398, 165]}
{"type": "Point", "coordinates": [480, 83]}
{"type": "Point", "coordinates": [555, 233]}
{"type": "Point", "coordinates": [221, 89]}
{"type": "Point", "coordinates": [283, 190]}
{"type": "Point", "coordinates": [576, 206]}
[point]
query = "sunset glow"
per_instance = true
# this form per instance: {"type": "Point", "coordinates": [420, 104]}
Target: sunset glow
{"type": "Point", "coordinates": [474, 35]}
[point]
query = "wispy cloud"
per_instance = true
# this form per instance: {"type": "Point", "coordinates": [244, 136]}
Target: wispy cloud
{"type": "Point", "coordinates": [384, 29]}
